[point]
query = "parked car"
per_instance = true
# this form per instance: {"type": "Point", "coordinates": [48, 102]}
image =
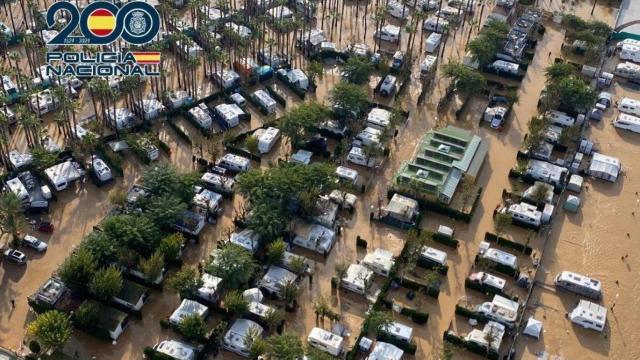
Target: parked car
{"type": "Point", "coordinates": [16, 256]}
{"type": "Point", "coordinates": [34, 243]}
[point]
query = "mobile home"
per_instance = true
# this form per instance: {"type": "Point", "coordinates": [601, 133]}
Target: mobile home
{"type": "Point", "coordinates": [123, 118]}
{"type": "Point", "coordinates": [484, 278]}
{"type": "Point", "coordinates": [402, 209]}
{"type": "Point", "coordinates": [389, 33]}
{"type": "Point", "coordinates": [347, 174]}
{"type": "Point", "coordinates": [247, 239]}
{"type": "Point", "coordinates": [211, 288]}
{"type": "Point", "coordinates": [433, 256]}
{"type": "Point", "coordinates": [217, 182]}
{"type": "Point", "coordinates": [630, 52]}
{"type": "Point", "coordinates": [398, 331]}
{"type": "Point", "coordinates": [589, 315]}
{"type": "Point", "coordinates": [388, 86]}
{"type": "Point", "coordinates": [275, 279]}
{"type": "Point", "coordinates": [234, 163]}
{"type": "Point", "coordinates": [502, 66]}
{"type": "Point", "coordinates": [385, 351]}
{"type": "Point", "coordinates": [265, 100]}
{"type": "Point", "coordinates": [436, 24]}
{"type": "Point", "coordinates": [397, 9]}
{"type": "Point", "coordinates": [43, 102]}
{"type": "Point", "coordinates": [433, 41]}
{"type": "Point", "coordinates": [491, 329]}
{"type": "Point", "coordinates": [234, 339]}
{"type": "Point", "coordinates": [629, 106]}
{"type": "Point", "coordinates": [177, 350]}
{"type": "Point", "coordinates": [326, 341]}
{"type": "Point", "coordinates": [201, 116]}
{"type": "Point", "coordinates": [427, 66]}
{"type": "Point", "coordinates": [319, 239]}
{"type": "Point", "coordinates": [208, 201]}
{"type": "Point", "coordinates": [579, 284]}
{"type": "Point", "coordinates": [547, 172]}
{"type": "Point", "coordinates": [628, 70]}
{"type": "Point", "coordinates": [267, 138]}
{"type": "Point", "coordinates": [357, 156]}
{"type": "Point", "coordinates": [498, 256]}
{"type": "Point", "coordinates": [101, 169]}
{"type": "Point", "coordinates": [379, 118]}
{"type": "Point", "coordinates": [559, 118]}
{"type": "Point", "coordinates": [63, 174]}
{"type": "Point", "coordinates": [187, 308]}
{"type": "Point", "coordinates": [604, 167]}
{"type": "Point", "coordinates": [525, 213]}
{"type": "Point", "coordinates": [227, 79]}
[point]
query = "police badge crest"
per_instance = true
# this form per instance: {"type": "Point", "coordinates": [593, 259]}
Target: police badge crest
{"type": "Point", "coordinates": [137, 23]}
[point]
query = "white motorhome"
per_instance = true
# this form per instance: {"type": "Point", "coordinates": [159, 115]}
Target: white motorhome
{"type": "Point", "coordinates": [265, 100]}
{"type": "Point", "coordinates": [247, 239]}
{"type": "Point", "coordinates": [201, 116]}
{"type": "Point", "coordinates": [357, 279]}
{"type": "Point", "coordinates": [101, 169]}
{"type": "Point", "coordinates": [630, 52]}
{"type": "Point", "coordinates": [267, 138]}
{"type": "Point", "coordinates": [491, 329]}
{"type": "Point", "coordinates": [484, 278]}
{"type": "Point", "coordinates": [436, 24]}
{"type": "Point", "coordinates": [579, 284]}
{"type": "Point", "coordinates": [390, 33]}
{"type": "Point", "coordinates": [398, 331]}
{"type": "Point", "coordinates": [604, 167]}
{"type": "Point", "coordinates": [428, 65]}
{"type": "Point", "coordinates": [17, 187]}
{"type": "Point", "coordinates": [234, 163]}
{"type": "Point", "coordinates": [589, 315]}
{"type": "Point", "coordinates": [369, 136]}
{"type": "Point", "coordinates": [402, 208]}
{"type": "Point", "coordinates": [211, 288]}
{"type": "Point", "coordinates": [347, 174]}
{"type": "Point", "coordinates": [63, 174]}
{"type": "Point", "coordinates": [628, 70]}
{"type": "Point", "coordinates": [629, 106]}
{"type": "Point", "coordinates": [560, 118]}
{"type": "Point", "coordinates": [498, 256]}
{"type": "Point", "coordinates": [187, 308]}
{"type": "Point", "coordinates": [397, 10]}
{"type": "Point", "coordinates": [235, 338]}
{"type": "Point", "coordinates": [176, 350]}
{"type": "Point", "coordinates": [207, 200]}
{"type": "Point", "coordinates": [505, 67]}
{"type": "Point", "coordinates": [275, 280]}
{"type": "Point", "coordinates": [319, 239]}
{"type": "Point", "coordinates": [357, 156]}
{"type": "Point", "coordinates": [525, 213]}
{"type": "Point", "coordinates": [230, 113]}
{"type": "Point", "coordinates": [218, 182]}
{"type": "Point", "coordinates": [388, 85]}
{"type": "Point", "coordinates": [385, 351]}
{"type": "Point", "coordinates": [627, 122]}
{"type": "Point", "coordinates": [501, 309]}
{"type": "Point", "coordinates": [547, 172]}
{"type": "Point", "coordinates": [43, 102]}
{"type": "Point", "coordinates": [326, 341]}
{"type": "Point", "coordinates": [433, 41]}
{"type": "Point", "coordinates": [227, 79]}
{"type": "Point", "coordinates": [19, 159]}
{"type": "Point", "coordinates": [380, 261]}
{"type": "Point", "coordinates": [434, 256]}
{"type": "Point", "coordinates": [379, 118]}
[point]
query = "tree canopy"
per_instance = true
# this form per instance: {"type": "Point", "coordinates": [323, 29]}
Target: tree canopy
{"type": "Point", "coordinates": [350, 101]}
{"type": "Point", "coordinates": [164, 179]}
{"type": "Point", "coordinates": [570, 93]}
{"type": "Point", "coordinates": [467, 81]}
{"type": "Point", "coordinates": [53, 329]}
{"type": "Point", "coordinates": [106, 283]}
{"type": "Point", "coordinates": [12, 220]}
{"type": "Point", "coordinates": [376, 322]}
{"type": "Point", "coordinates": [357, 70]}
{"type": "Point", "coordinates": [234, 265]}
{"type": "Point", "coordinates": [78, 270]}
{"type": "Point", "coordinates": [185, 282]}
{"type": "Point", "coordinates": [299, 123]}
{"type": "Point", "coordinates": [134, 232]}
{"type": "Point", "coordinates": [286, 346]}
{"type": "Point", "coordinates": [491, 40]}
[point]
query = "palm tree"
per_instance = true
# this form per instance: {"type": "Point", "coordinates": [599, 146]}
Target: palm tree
{"type": "Point", "coordinates": [12, 219]}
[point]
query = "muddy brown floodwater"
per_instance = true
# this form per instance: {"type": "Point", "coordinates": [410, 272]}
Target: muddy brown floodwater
{"type": "Point", "coordinates": [590, 242]}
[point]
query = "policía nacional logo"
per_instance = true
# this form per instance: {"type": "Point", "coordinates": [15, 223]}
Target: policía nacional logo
{"type": "Point", "coordinates": [102, 23]}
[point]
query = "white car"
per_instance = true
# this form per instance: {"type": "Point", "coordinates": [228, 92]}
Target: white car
{"type": "Point", "coordinates": [34, 243]}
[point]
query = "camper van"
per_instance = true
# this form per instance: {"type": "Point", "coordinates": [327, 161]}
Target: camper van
{"type": "Point", "coordinates": [498, 256]}
{"type": "Point", "coordinates": [43, 102]}
{"type": "Point", "coordinates": [230, 114]}
{"type": "Point", "coordinates": [501, 66]}
{"type": "Point", "coordinates": [388, 86]}
{"type": "Point", "coordinates": [428, 65]}
{"type": "Point", "coordinates": [234, 163]}
{"type": "Point", "coordinates": [627, 122]}
{"type": "Point", "coordinates": [628, 70]}
{"type": "Point", "coordinates": [629, 106]}
{"type": "Point", "coordinates": [579, 284]}
{"type": "Point", "coordinates": [357, 156]}
{"type": "Point", "coordinates": [265, 100]}
{"type": "Point", "coordinates": [201, 116]}
{"type": "Point", "coordinates": [101, 169]}
{"type": "Point", "coordinates": [630, 52]}
{"type": "Point", "coordinates": [433, 41]}
{"type": "Point", "coordinates": [436, 24]}
{"type": "Point", "coordinates": [326, 341]}
{"type": "Point", "coordinates": [500, 309]}
{"type": "Point", "coordinates": [589, 315]}
{"type": "Point", "coordinates": [397, 10]}
{"type": "Point", "coordinates": [486, 279]}
{"type": "Point", "coordinates": [380, 261]}
{"type": "Point", "coordinates": [390, 33]}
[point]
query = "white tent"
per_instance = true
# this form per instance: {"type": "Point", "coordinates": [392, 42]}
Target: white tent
{"type": "Point", "coordinates": [533, 328]}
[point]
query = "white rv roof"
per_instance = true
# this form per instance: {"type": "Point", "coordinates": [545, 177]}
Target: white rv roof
{"type": "Point", "coordinates": [210, 285]}
{"type": "Point", "coordinates": [402, 205]}
{"type": "Point", "coordinates": [358, 274]}
{"type": "Point", "coordinates": [259, 309]}
{"type": "Point", "coordinates": [379, 257]}
{"type": "Point", "coordinates": [400, 331]}
{"type": "Point", "coordinates": [229, 111]}
{"type": "Point", "coordinates": [379, 116]}
{"type": "Point", "coordinates": [176, 349]}
{"type": "Point", "coordinates": [325, 337]}
{"type": "Point", "coordinates": [525, 209]}
{"type": "Point", "coordinates": [187, 307]}
{"type": "Point", "coordinates": [236, 159]}
{"type": "Point", "coordinates": [68, 170]}
{"type": "Point", "coordinates": [16, 186]}
{"type": "Point", "coordinates": [628, 118]}
{"type": "Point", "coordinates": [345, 172]}
{"type": "Point", "coordinates": [235, 336]}
{"type": "Point", "coordinates": [501, 257]}
{"type": "Point", "coordinates": [264, 97]}
{"type": "Point", "coordinates": [247, 239]}
{"type": "Point", "coordinates": [591, 311]}
{"type": "Point", "coordinates": [604, 163]}
{"type": "Point", "coordinates": [391, 30]}
{"type": "Point", "coordinates": [385, 351]}
{"type": "Point", "coordinates": [580, 280]}
{"type": "Point", "coordinates": [434, 254]}
{"type": "Point", "coordinates": [276, 277]}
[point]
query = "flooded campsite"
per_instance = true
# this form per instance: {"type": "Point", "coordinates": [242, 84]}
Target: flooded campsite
{"type": "Point", "coordinates": [307, 179]}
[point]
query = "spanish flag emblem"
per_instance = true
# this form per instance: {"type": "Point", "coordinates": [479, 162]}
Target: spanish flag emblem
{"type": "Point", "coordinates": [101, 22]}
{"type": "Point", "coordinates": [147, 57]}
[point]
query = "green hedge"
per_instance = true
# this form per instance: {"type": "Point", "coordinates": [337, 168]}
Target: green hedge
{"type": "Point", "coordinates": [179, 131]}
{"type": "Point", "coordinates": [416, 316]}
{"type": "Point", "coordinates": [446, 240]}
{"type": "Point", "coordinates": [468, 313]}
{"type": "Point", "coordinates": [508, 243]}
{"type": "Point", "coordinates": [296, 90]}
{"type": "Point", "coordinates": [151, 354]}
{"type": "Point", "coordinates": [276, 96]}
{"type": "Point", "coordinates": [430, 265]}
{"type": "Point", "coordinates": [112, 159]}
{"type": "Point", "coordinates": [431, 290]}
{"type": "Point", "coordinates": [360, 242]}
{"type": "Point", "coordinates": [473, 347]}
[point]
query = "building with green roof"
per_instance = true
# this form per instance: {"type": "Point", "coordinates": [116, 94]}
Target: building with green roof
{"type": "Point", "coordinates": [442, 158]}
